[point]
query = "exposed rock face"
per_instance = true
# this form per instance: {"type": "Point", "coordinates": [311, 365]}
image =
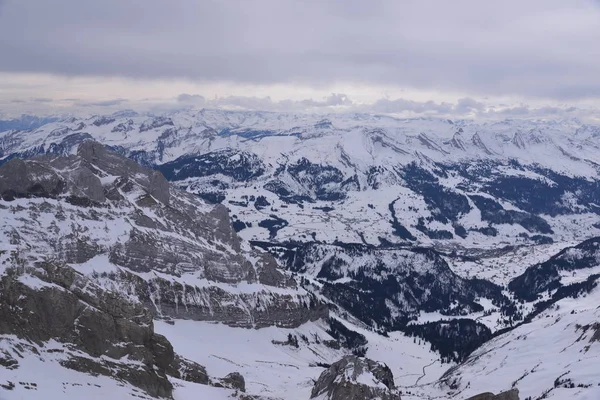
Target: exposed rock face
{"type": "Point", "coordinates": [21, 179]}
{"type": "Point", "coordinates": [189, 371]}
{"type": "Point", "coordinates": [176, 299]}
{"type": "Point", "coordinates": [234, 380]}
{"type": "Point", "coordinates": [94, 247]}
{"type": "Point", "coordinates": [482, 396]}
{"type": "Point", "coordinates": [512, 394]}
{"type": "Point", "coordinates": [177, 255]}
{"type": "Point", "coordinates": [102, 333]}
{"type": "Point", "coordinates": [53, 302]}
{"type": "Point", "coordinates": [113, 164]}
{"type": "Point", "coordinates": [356, 378]}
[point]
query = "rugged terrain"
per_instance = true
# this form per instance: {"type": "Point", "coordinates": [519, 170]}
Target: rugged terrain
{"type": "Point", "coordinates": [299, 256]}
{"type": "Point", "coordinates": [361, 178]}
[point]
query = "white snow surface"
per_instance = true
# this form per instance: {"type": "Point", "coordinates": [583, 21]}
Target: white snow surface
{"type": "Point", "coordinates": [352, 143]}
{"type": "Point", "coordinates": [555, 345]}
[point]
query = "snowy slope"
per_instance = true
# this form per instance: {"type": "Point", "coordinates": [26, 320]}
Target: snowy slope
{"type": "Point", "coordinates": [447, 213]}
{"type": "Point", "coordinates": [358, 178]}
{"type": "Point", "coordinates": [286, 372]}
{"type": "Point", "coordinates": [555, 356]}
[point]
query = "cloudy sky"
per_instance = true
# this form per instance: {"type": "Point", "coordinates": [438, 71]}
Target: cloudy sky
{"type": "Point", "coordinates": [414, 57]}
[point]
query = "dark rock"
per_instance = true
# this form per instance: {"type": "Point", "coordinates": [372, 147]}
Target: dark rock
{"type": "Point", "coordinates": [483, 396]}
{"type": "Point", "coordinates": [235, 381]}
{"type": "Point", "coordinates": [69, 308]}
{"type": "Point", "coordinates": [545, 276]}
{"type": "Point", "coordinates": [189, 371]}
{"type": "Point", "coordinates": [28, 179]}
{"type": "Point", "coordinates": [112, 163]}
{"type": "Point", "coordinates": [512, 394]}
{"type": "Point", "coordinates": [345, 380]}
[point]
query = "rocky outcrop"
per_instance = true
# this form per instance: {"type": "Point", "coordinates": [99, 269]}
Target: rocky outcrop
{"type": "Point", "coordinates": [235, 381]}
{"type": "Point", "coordinates": [100, 247]}
{"type": "Point", "coordinates": [512, 394]}
{"type": "Point", "coordinates": [102, 333]}
{"type": "Point", "coordinates": [356, 378]}
{"type": "Point", "coordinates": [189, 371]}
{"type": "Point", "coordinates": [112, 163]}
{"type": "Point", "coordinates": [32, 179]}
{"type": "Point", "coordinates": [78, 175]}
{"type": "Point", "coordinates": [261, 308]}
{"type": "Point", "coordinates": [179, 256]}
{"type": "Point", "coordinates": [99, 329]}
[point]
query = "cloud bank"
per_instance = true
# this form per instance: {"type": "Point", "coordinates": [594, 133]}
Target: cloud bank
{"type": "Point", "coordinates": [535, 49]}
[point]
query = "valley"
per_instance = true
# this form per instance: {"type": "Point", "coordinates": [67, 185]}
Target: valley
{"type": "Point", "coordinates": [298, 250]}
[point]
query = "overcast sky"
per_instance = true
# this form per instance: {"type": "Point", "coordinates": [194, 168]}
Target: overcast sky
{"type": "Point", "coordinates": [393, 56]}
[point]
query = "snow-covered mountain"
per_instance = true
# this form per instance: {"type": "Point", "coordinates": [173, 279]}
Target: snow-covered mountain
{"type": "Point", "coordinates": [361, 178]}
{"type": "Point", "coordinates": [26, 122]}
{"type": "Point", "coordinates": [314, 255]}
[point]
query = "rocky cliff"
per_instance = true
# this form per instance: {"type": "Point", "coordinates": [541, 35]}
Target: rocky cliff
{"type": "Point", "coordinates": [127, 228]}
{"type": "Point", "coordinates": [95, 247]}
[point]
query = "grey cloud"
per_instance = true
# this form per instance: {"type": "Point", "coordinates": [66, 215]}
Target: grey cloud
{"type": "Point", "coordinates": [42, 100]}
{"type": "Point", "coordinates": [400, 105]}
{"type": "Point", "coordinates": [538, 48]}
{"type": "Point", "coordinates": [264, 103]}
{"type": "Point", "coordinates": [244, 102]}
{"type": "Point", "coordinates": [467, 105]}
{"type": "Point", "coordinates": [462, 108]}
{"type": "Point", "coordinates": [525, 111]}
{"type": "Point", "coordinates": [515, 111]}
{"type": "Point", "coordinates": [104, 103]}
{"type": "Point", "coordinates": [335, 99]}
{"type": "Point", "coordinates": [193, 99]}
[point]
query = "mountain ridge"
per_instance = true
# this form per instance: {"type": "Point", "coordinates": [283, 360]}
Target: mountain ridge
{"type": "Point", "coordinates": [324, 249]}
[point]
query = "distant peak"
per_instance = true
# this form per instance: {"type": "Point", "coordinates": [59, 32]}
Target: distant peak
{"type": "Point", "coordinates": [476, 139]}
{"type": "Point", "coordinates": [518, 140]}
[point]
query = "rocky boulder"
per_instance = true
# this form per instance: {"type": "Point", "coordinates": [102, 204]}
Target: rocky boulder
{"type": "Point", "coordinates": [356, 378]}
{"type": "Point", "coordinates": [235, 381]}
{"type": "Point", "coordinates": [512, 394]}
{"type": "Point", "coordinates": [189, 371]}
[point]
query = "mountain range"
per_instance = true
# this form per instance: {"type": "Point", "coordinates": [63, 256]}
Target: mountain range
{"type": "Point", "coordinates": [211, 254]}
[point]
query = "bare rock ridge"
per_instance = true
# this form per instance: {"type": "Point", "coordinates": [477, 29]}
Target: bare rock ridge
{"type": "Point", "coordinates": [356, 378]}
{"type": "Point", "coordinates": [51, 176]}
{"type": "Point", "coordinates": [113, 164]}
